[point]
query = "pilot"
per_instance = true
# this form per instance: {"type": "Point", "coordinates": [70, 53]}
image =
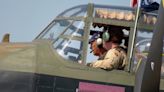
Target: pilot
{"type": "Point", "coordinates": [96, 46]}
{"type": "Point", "coordinates": [116, 57]}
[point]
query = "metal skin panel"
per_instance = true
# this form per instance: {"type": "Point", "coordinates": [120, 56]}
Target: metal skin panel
{"type": "Point", "coordinates": [16, 82]}
{"type": "Point", "coordinates": [33, 82]}
{"type": "Point", "coordinates": [18, 57]}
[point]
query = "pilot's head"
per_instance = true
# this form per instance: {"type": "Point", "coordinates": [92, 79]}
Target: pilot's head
{"type": "Point", "coordinates": [96, 47]}
{"type": "Point", "coordinates": [112, 38]}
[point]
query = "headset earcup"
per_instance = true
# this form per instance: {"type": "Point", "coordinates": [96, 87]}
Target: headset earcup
{"type": "Point", "coordinates": [99, 41]}
{"type": "Point", "coordinates": [106, 36]}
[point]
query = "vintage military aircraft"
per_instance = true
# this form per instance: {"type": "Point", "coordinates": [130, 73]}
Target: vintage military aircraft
{"type": "Point", "coordinates": [51, 62]}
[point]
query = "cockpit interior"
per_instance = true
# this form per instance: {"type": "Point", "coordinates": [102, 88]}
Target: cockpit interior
{"type": "Point", "coordinates": [71, 30]}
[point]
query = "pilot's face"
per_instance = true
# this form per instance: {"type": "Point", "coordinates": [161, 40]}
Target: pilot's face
{"type": "Point", "coordinates": [95, 48]}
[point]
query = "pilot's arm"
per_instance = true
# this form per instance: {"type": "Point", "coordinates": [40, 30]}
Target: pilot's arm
{"type": "Point", "coordinates": [114, 59]}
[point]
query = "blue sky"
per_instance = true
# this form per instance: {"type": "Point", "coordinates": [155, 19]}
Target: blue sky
{"type": "Point", "coordinates": [25, 19]}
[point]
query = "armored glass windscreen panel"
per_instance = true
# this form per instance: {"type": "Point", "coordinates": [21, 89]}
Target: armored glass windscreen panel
{"type": "Point", "coordinates": [55, 29]}
{"type": "Point", "coordinates": [75, 29]}
{"type": "Point", "coordinates": [66, 36]}
{"type": "Point", "coordinates": [69, 49]}
{"type": "Point", "coordinates": [69, 43]}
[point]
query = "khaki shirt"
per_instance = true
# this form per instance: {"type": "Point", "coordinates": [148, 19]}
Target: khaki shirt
{"type": "Point", "coordinates": [114, 59]}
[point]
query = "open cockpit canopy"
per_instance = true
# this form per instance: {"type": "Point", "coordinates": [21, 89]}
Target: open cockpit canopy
{"type": "Point", "coordinates": [71, 30]}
